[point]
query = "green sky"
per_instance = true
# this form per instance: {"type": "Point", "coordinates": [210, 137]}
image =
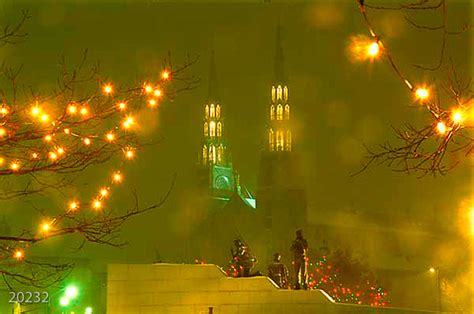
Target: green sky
{"type": "Point", "coordinates": [338, 104]}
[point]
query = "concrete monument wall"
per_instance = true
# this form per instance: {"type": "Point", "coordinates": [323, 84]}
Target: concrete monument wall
{"type": "Point", "coordinates": [204, 289]}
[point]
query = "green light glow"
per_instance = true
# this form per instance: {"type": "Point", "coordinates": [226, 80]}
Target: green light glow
{"type": "Point", "coordinates": [71, 292]}
{"type": "Point", "coordinates": [64, 301]}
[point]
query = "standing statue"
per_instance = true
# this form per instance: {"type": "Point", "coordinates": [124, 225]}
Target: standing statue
{"type": "Point", "coordinates": [242, 258]}
{"type": "Point", "coordinates": [300, 252]}
{"type": "Point", "coordinates": [278, 272]}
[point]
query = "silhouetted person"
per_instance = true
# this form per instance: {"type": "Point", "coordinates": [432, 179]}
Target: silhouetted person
{"type": "Point", "coordinates": [278, 272]}
{"type": "Point", "coordinates": [242, 258]}
{"type": "Point", "coordinates": [300, 251]}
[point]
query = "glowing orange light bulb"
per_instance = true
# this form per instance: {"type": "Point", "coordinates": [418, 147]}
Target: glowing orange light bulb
{"type": "Point", "coordinates": [128, 122]}
{"type": "Point", "coordinates": [15, 166]}
{"type": "Point", "coordinates": [34, 156]}
{"type": "Point", "coordinates": [61, 150]}
{"type": "Point", "coordinates": [165, 75]}
{"type": "Point", "coordinates": [97, 204]}
{"type": "Point", "coordinates": [3, 132]}
{"type": "Point", "coordinates": [422, 93]}
{"type": "Point", "coordinates": [117, 177]}
{"type": "Point", "coordinates": [441, 127]}
{"type": "Point", "coordinates": [18, 254]}
{"type": "Point", "coordinates": [87, 141]}
{"type": "Point", "coordinates": [53, 156]}
{"type": "Point", "coordinates": [35, 111]}
{"type": "Point", "coordinates": [157, 93]}
{"type": "Point", "coordinates": [108, 89]}
{"type": "Point", "coordinates": [2, 160]}
{"type": "Point", "coordinates": [148, 89]}
{"type": "Point", "coordinates": [44, 118]}
{"type": "Point", "coordinates": [73, 205]}
{"type": "Point", "coordinates": [122, 106]}
{"type": "Point", "coordinates": [110, 136]}
{"type": "Point", "coordinates": [152, 103]}
{"type": "Point", "coordinates": [104, 192]}
{"type": "Point", "coordinates": [67, 131]}
{"type": "Point", "coordinates": [457, 117]}
{"type": "Point", "coordinates": [84, 111]}
{"type": "Point", "coordinates": [45, 227]}
{"type": "Point", "coordinates": [373, 49]}
{"type": "Point", "coordinates": [4, 110]}
{"type": "Point", "coordinates": [129, 153]}
{"type": "Point", "coordinates": [48, 138]}
{"type": "Point", "coordinates": [72, 109]}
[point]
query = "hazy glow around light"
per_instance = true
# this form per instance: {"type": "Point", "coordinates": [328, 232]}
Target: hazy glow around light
{"type": "Point", "coordinates": [373, 49]}
{"type": "Point", "coordinates": [108, 89]}
{"type": "Point", "coordinates": [457, 117]}
{"type": "Point", "coordinates": [422, 93]}
{"type": "Point", "coordinates": [18, 254]}
{"type": "Point", "coordinates": [441, 127]}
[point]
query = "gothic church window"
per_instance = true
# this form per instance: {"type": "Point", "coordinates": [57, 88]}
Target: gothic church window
{"type": "Point", "coordinates": [212, 128]}
{"type": "Point", "coordinates": [272, 112]}
{"type": "Point", "coordinates": [204, 154]}
{"type": "Point", "coordinates": [273, 94]}
{"type": "Point", "coordinates": [219, 129]}
{"type": "Point", "coordinates": [218, 111]}
{"type": "Point", "coordinates": [287, 112]}
{"type": "Point", "coordinates": [271, 141]}
{"type": "Point", "coordinates": [213, 154]}
{"type": "Point", "coordinates": [279, 140]}
{"type": "Point", "coordinates": [206, 111]}
{"type": "Point", "coordinates": [288, 141]}
{"type": "Point", "coordinates": [279, 91]}
{"type": "Point", "coordinates": [285, 93]}
{"type": "Point", "coordinates": [213, 111]}
{"type": "Point", "coordinates": [206, 129]}
{"type": "Point", "coordinates": [219, 154]}
{"type": "Point", "coordinates": [279, 112]}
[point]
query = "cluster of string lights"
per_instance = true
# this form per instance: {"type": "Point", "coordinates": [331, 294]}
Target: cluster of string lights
{"type": "Point", "coordinates": [56, 140]}
{"type": "Point", "coordinates": [446, 122]}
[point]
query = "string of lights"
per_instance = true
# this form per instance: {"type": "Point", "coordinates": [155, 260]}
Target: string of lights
{"type": "Point", "coordinates": [447, 124]}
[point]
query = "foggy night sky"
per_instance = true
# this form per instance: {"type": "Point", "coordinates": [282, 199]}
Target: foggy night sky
{"type": "Point", "coordinates": [339, 105]}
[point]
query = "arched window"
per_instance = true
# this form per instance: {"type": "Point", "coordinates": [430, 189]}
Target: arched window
{"type": "Point", "coordinates": [279, 140]}
{"type": "Point", "coordinates": [204, 154]}
{"type": "Point", "coordinates": [209, 155]}
{"type": "Point", "coordinates": [213, 154]}
{"type": "Point", "coordinates": [288, 141]}
{"type": "Point", "coordinates": [287, 112]}
{"type": "Point", "coordinates": [213, 111]}
{"type": "Point", "coordinates": [219, 154]}
{"type": "Point", "coordinates": [272, 112]}
{"type": "Point", "coordinates": [279, 92]}
{"type": "Point", "coordinates": [219, 129]}
{"type": "Point", "coordinates": [206, 129]}
{"type": "Point", "coordinates": [218, 111]}
{"type": "Point", "coordinates": [206, 111]}
{"type": "Point", "coordinates": [271, 141]}
{"type": "Point", "coordinates": [212, 129]}
{"type": "Point", "coordinates": [273, 94]}
{"type": "Point", "coordinates": [285, 93]}
{"type": "Point", "coordinates": [279, 112]}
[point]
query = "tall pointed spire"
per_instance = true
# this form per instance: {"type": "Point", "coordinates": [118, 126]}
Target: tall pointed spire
{"type": "Point", "coordinates": [213, 86]}
{"type": "Point", "coordinates": [279, 66]}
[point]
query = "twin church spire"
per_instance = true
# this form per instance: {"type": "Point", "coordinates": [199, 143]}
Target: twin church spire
{"type": "Point", "coordinates": [213, 146]}
{"type": "Point", "coordinates": [279, 126]}
{"type": "Point", "coordinates": [214, 150]}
